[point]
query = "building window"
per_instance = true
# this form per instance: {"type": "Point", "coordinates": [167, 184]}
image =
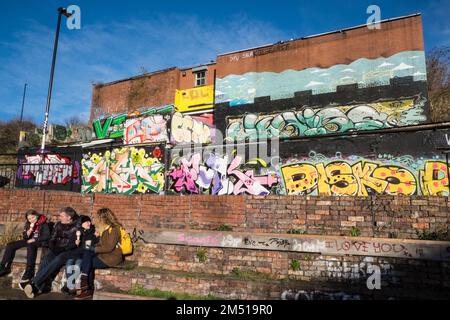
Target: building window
{"type": "Point", "coordinates": [200, 78]}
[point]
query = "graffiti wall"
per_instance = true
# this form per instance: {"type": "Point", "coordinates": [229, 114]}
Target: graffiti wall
{"type": "Point", "coordinates": [193, 121]}
{"type": "Point", "coordinates": [221, 172]}
{"type": "Point", "coordinates": [308, 121]}
{"type": "Point", "coordinates": [114, 126]}
{"type": "Point", "coordinates": [124, 170]}
{"type": "Point", "coordinates": [356, 166]}
{"type": "Point", "coordinates": [357, 176]}
{"type": "Point", "coordinates": [53, 170]}
{"type": "Point", "coordinates": [408, 163]}
{"type": "Point", "coordinates": [149, 127]}
{"type": "Point", "coordinates": [192, 128]}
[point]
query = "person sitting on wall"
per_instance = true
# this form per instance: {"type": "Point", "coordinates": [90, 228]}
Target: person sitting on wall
{"type": "Point", "coordinates": [36, 234]}
{"type": "Point", "coordinates": [86, 238]}
{"type": "Point", "coordinates": [107, 253]}
{"type": "Point", "coordinates": [63, 239]}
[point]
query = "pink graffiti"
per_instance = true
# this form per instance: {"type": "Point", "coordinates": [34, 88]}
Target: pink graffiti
{"type": "Point", "coordinates": [247, 182]}
{"type": "Point", "coordinates": [200, 240]}
{"type": "Point", "coordinates": [186, 174]}
{"type": "Point", "coordinates": [214, 175]}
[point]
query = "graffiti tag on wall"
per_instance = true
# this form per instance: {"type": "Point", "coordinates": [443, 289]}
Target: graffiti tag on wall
{"type": "Point", "coordinates": [113, 126]}
{"type": "Point", "coordinates": [363, 177]}
{"type": "Point", "coordinates": [308, 121]}
{"type": "Point", "coordinates": [124, 170]}
{"type": "Point", "coordinates": [218, 177]}
{"type": "Point", "coordinates": [47, 169]}
{"type": "Point", "coordinates": [146, 130]}
{"type": "Point", "coordinates": [191, 128]}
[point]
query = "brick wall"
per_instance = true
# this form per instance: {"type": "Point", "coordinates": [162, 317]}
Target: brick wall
{"type": "Point", "coordinates": [375, 216]}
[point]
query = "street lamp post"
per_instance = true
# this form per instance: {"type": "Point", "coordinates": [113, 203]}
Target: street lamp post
{"type": "Point", "coordinates": [61, 11]}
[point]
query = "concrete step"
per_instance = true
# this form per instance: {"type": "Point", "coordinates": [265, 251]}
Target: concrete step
{"type": "Point", "coordinates": [104, 295]}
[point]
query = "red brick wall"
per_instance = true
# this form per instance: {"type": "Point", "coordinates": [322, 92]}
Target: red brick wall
{"type": "Point", "coordinates": [151, 90]}
{"type": "Point", "coordinates": [331, 49]}
{"type": "Point", "coordinates": [376, 216]}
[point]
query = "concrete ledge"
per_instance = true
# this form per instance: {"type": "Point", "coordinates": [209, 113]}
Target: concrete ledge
{"type": "Point", "coordinates": [326, 245]}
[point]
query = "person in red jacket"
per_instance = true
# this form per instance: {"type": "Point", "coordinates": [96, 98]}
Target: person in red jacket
{"type": "Point", "coordinates": [36, 234]}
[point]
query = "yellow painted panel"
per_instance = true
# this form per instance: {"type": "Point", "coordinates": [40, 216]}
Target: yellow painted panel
{"type": "Point", "coordinates": [194, 99]}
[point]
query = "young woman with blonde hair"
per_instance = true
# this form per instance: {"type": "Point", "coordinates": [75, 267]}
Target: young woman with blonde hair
{"type": "Point", "coordinates": [107, 253]}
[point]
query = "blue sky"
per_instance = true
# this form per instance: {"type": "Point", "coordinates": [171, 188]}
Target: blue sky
{"type": "Point", "coordinates": [118, 38]}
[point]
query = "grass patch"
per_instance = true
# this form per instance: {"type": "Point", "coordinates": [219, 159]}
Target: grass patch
{"type": "Point", "coordinates": [355, 232]}
{"type": "Point", "coordinates": [139, 290]}
{"type": "Point", "coordinates": [224, 227]}
{"type": "Point", "coordinates": [250, 275]}
{"type": "Point", "coordinates": [295, 265]}
{"type": "Point", "coordinates": [296, 231]}
{"type": "Point", "coordinates": [202, 255]}
{"type": "Point", "coordinates": [438, 235]}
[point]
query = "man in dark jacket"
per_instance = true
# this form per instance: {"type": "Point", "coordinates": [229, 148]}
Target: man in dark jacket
{"type": "Point", "coordinates": [63, 239]}
{"type": "Point", "coordinates": [35, 234]}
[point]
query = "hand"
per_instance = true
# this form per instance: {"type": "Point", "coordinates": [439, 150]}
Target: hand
{"type": "Point", "coordinates": [31, 241]}
{"type": "Point", "coordinates": [77, 242]}
{"type": "Point", "coordinates": [97, 233]}
{"type": "Point", "coordinates": [29, 232]}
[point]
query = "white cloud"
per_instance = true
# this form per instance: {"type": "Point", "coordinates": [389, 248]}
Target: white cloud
{"type": "Point", "coordinates": [313, 84]}
{"type": "Point", "coordinates": [385, 64]}
{"type": "Point", "coordinates": [402, 66]}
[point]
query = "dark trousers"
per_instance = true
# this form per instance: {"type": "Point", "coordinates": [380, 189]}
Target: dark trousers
{"type": "Point", "coordinates": [49, 268]}
{"type": "Point", "coordinates": [12, 247]}
{"type": "Point", "coordinates": [89, 264]}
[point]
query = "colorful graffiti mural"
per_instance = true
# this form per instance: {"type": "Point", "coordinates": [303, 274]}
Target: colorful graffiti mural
{"type": "Point", "coordinates": [194, 99]}
{"type": "Point", "coordinates": [124, 170]}
{"type": "Point", "coordinates": [146, 130]}
{"type": "Point", "coordinates": [357, 176]}
{"type": "Point", "coordinates": [48, 169]}
{"type": "Point", "coordinates": [110, 127]}
{"type": "Point", "coordinates": [192, 128]}
{"type": "Point", "coordinates": [243, 89]}
{"type": "Point", "coordinates": [114, 125]}
{"type": "Point", "coordinates": [308, 121]}
{"type": "Point", "coordinates": [219, 177]}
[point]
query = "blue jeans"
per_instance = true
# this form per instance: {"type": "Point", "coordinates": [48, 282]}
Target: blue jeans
{"type": "Point", "coordinates": [89, 264]}
{"type": "Point", "coordinates": [49, 268]}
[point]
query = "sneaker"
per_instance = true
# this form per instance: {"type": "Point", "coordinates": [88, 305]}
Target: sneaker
{"type": "Point", "coordinates": [23, 284]}
{"type": "Point", "coordinates": [30, 290]}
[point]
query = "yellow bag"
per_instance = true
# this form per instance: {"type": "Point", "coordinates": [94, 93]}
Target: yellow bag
{"type": "Point", "coordinates": [125, 244]}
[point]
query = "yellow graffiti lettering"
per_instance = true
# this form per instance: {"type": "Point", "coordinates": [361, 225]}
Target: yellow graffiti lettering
{"type": "Point", "coordinates": [400, 181]}
{"type": "Point", "coordinates": [300, 178]}
{"type": "Point", "coordinates": [434, 178]}
{"type": "Point", "coordinates": [365, 178]}
{"type": "Point", "coordinates": [322, 184]}
{"type": "Point", "coordinates": [341, 179]}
